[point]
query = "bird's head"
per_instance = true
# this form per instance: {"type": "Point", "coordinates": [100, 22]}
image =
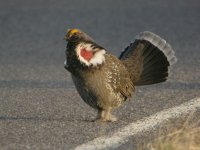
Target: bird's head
{"type": "Point", "coordinates": [87, 52]}
{"type": "Point", "coordinates": [74, 35]}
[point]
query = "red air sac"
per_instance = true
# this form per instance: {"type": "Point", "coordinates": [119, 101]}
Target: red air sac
{"type": "Point", "coordinates": [87, 55]}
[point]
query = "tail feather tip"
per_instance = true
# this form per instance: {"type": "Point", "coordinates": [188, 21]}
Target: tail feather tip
{"type": "Point", "coordinates": [159, 43]}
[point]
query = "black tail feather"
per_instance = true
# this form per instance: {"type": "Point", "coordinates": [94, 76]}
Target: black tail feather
{"type": "Point", "coordinates": [157, 56]}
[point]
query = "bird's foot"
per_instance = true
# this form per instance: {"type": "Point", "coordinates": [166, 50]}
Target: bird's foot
{"type": "Point", "coordinates": [105, 116]}
{"type": "Point", "coordinates": [110, 118]}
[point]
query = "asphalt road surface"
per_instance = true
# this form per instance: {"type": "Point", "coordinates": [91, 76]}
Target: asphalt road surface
{"type": "Point", "coordinates": [39, 106]}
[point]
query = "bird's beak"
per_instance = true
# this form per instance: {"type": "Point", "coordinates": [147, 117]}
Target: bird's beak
{"type": "Point", "coordinates": [67, 36]}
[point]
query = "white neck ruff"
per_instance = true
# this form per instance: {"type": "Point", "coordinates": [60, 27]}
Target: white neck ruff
{"type": "Point", "coordinates": [98, 57]}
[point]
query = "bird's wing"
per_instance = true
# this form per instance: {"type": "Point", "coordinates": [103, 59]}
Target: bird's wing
{"type": "Point", "coordinates": [118, 77]}
{"type": "Point", "coordinates": [148, 58]}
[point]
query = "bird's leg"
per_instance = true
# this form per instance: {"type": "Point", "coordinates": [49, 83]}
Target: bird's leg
{"type": "Point", "coordinates": [105, 115]}
{"type": "Point", "coordinates": [99, 114]}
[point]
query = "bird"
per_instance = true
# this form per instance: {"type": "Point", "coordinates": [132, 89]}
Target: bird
{"type": "Point", "coordinates": [105, 81]}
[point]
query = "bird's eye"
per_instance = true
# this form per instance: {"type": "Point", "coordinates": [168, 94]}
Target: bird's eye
{"type": "Point", "coordinates": [75, 34]}
{"type": "Point", "coordinates": [74, 37]}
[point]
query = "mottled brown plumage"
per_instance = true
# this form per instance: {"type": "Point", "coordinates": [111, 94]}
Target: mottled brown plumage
{"type": "Point", "coordinates": [103, 81]}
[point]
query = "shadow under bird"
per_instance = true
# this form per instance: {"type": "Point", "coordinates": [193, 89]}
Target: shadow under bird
{"type": "Point", "coordinates": [105, 81]}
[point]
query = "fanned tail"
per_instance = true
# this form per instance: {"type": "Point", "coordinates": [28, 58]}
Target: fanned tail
{"type": "Point", "coordinates": [148, 59]}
